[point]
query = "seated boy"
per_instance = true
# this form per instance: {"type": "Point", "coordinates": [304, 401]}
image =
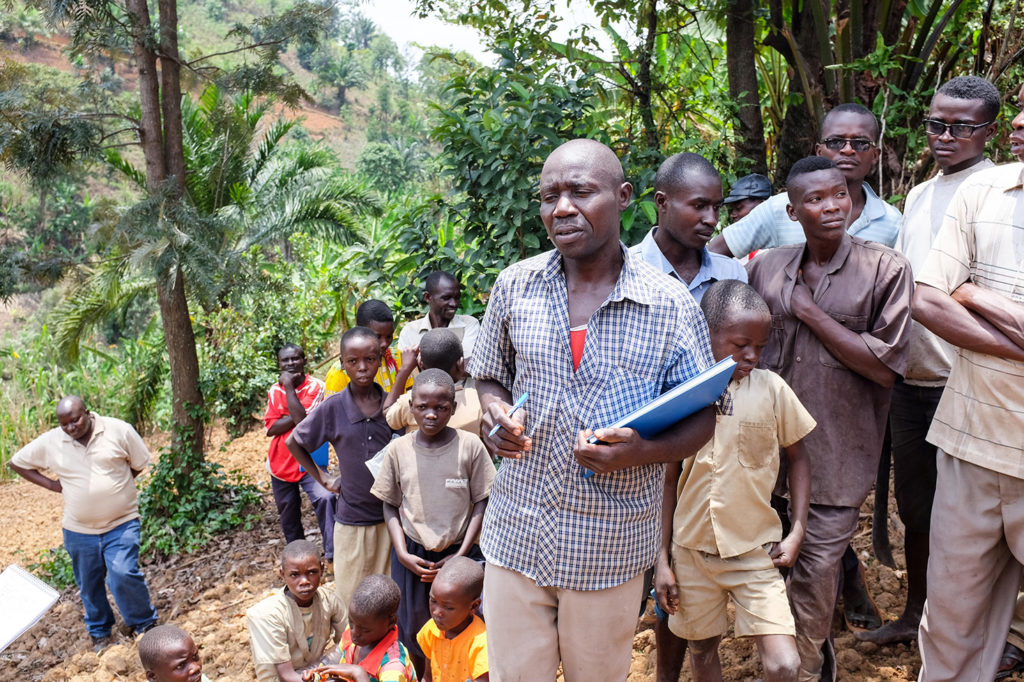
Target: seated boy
{"type": "Point", "coordinates": [298, 626]}
{"type": "Point", "coordinates": [370, 650]}
{"type": "Point", "coordinates": [353, 423]}
{"type": "Point", "coordinates": [439, 349]}
{"type": "Point", "coordinates": [454, 640]}
{"type": "Point", "coordinates": [723, 536]}
{"type": "Point", "coordinates": [376, 316]}
{"type": "Point", "coordinates": [440, 477]}
{"type": "Point", "coordinates": [168, 654]}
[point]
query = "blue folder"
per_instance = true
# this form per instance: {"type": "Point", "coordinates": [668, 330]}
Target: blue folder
{"type": "Point", "coordinates": [677, 403]}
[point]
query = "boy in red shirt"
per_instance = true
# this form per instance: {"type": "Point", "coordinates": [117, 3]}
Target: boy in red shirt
{"type": "Point", "coordinates": [288, 402]}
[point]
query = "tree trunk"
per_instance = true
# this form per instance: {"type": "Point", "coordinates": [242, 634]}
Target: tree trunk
{"type": "Point", "coordinates": [644, 88]}
{"type": "Point", "coordinates": [739, 39]}
{"type": "Point", "coordinates": [160, 133]}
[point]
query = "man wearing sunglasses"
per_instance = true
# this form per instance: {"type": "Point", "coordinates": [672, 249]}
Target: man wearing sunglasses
{"type": "Point", "coordinates": [960, 121]}
{"type": "Point", "coordinates": [849, 137]}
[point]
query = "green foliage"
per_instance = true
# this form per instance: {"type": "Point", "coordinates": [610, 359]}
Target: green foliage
{"type": "Point", "coordinates": [187, 500]}
{"type": "Point", "coordinates": [126, 380]}
{"type": "Point", "coordinates": [502, 124]}
{"type": "Point", "coordinates": [54, 568]}
{"type": "Point", "coordinates": [386, 167]}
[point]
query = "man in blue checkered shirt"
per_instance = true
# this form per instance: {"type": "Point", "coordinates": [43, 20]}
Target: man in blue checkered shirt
{"type": "Point", "coordinates": [590, 333]}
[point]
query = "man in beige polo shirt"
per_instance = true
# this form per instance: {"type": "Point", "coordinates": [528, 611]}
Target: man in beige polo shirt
{"type": "Point", "coordinates": [96, 460]}
{"type": "Point", "coordinates": [971, 293]}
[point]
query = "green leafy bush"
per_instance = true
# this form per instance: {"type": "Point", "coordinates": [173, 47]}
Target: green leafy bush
{"type": "Point", "coordinates": [188, 500]}
{"type": "Point", "coordinates": [54, 567]}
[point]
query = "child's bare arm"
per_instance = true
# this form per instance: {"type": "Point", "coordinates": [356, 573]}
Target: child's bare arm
{"type": "Point", "coordinates": [286, 672]}
{"type": "Point", "coordinates": [409, 362]}
{"type": "Point", "coordinates": [665, 589]}
{"type": "Point", "coordinates": [344, 671]}
{"type": "Point", "coordinates": [786, 552]}
{"type": "Point", "coordinates": [486, 677]}
{"type": "Point", "coordinates": [476, 522]}
{"type": "Point", "coordinates": [418, 565]}
{"type": "Point", "coordinates": [428, 676]}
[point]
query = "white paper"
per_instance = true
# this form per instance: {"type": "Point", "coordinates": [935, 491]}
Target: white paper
{"type": "Point", "coordinates": [25, 600]}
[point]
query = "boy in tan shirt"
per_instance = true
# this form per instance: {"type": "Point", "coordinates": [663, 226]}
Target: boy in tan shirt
{"type": "Point", "coordinates": [719, 528]}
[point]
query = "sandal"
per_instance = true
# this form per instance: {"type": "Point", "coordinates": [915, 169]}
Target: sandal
{"type": "Point", "coordinates": [1011, 662]}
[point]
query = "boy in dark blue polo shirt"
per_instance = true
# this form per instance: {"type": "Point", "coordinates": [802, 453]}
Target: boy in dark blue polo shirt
{"type": "Point", "coordinates": [353, 422]}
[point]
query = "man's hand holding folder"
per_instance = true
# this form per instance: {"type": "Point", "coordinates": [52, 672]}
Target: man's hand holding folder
{"type": "Point", "coordinates": [616, 449]}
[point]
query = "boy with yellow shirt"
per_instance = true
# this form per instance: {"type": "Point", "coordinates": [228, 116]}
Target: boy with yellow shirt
{"type": "Point", "coordinates": [376, 316]}
{"type": "Point", "coordinates": [719, 529]}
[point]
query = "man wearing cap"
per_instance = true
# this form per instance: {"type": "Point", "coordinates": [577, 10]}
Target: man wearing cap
{"type": "Point", "coordinates": [746, 194]}
{"type": "Point", "coordinates": [849, 136]}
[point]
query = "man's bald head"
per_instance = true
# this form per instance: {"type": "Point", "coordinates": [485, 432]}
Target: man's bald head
{"type": "Point", "coordinates": [74, 418]}
{"type": "Point", "coordinates": [595, 155]}
{"type": "Point", "coordinates": [69, 403]}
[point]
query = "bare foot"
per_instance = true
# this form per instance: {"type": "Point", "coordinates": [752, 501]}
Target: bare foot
{"type": "Point", "coordinates": [891, 633]}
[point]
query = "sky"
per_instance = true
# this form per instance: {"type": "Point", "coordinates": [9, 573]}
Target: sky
{"type": "Point", "coordinates": [396, 18]}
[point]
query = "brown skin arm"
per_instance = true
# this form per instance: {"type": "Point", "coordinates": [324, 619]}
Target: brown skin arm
{"type": "Point", "coordinates": [946, 318]}
{"type": "Point", "coordinates": [845, 344]}
{"type": "Point", "coordinates": [476, 522]}
{"type": "Point", "coordinates": [428, 675]}
{"type": "Point", "coordinates": [296, 412]}
{"type": "Point", "coordinates": [786, 552]}
{"type": "Point", "coordinates": [486, 677]}
{"type": "Point", "coordinates": [305, 460]}
{"type": "Point", "coordinates": [625, 448]}
{"type": "Point", "coordinates": [510, 440]}
{"type": "Point", "coordinates": [718, 245]}
{"type": "Point", "coordinates": [33, 476]}
{"type": "Point", "coordinates": [665, 588]}
{"type": "Point", "coordinates": [345, 671]}
{"type": "Point", "coordinates": [286, 672]}
{"type": "Point", "coordinates": [426, 570]}
{"type": "Point", "coordinates": [410, 358]}
{"type": "Point", "coordinates": [1004, 313]}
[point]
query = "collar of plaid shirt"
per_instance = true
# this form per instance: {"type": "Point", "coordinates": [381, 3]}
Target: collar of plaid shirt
{"type": "Point", "coordinates": [544, 519]}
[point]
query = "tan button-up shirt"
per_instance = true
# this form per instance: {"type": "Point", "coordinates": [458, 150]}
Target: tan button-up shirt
{"type": "Point", "coordinates": [867, 288]}
{"type": "Point", "coordinates": [980, 418]}
{"type": "Point", "coordinates": [724, 496]}
{"type": "Point", "coordinates": [96, 479]}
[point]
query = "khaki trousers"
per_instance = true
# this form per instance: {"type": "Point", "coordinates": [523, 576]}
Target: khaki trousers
{"type": "Point", "coordinates": [359, 551]}
{"type": "Point", "coordinates": [531, 628]}
{"type": "Point", "coordinates": [974, 571]}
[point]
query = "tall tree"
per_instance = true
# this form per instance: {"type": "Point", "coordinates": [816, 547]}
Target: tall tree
{"type": "Point", "coordinates": [739, 37]}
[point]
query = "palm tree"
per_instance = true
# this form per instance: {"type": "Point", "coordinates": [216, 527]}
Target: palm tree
{"type": "Point", "coordinates": [243, 188]}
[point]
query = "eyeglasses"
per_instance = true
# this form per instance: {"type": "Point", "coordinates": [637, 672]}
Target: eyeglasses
{"type": "Point", "coordinates": [857, 144]}
{"type": "Point", "coordinates": [961, 130]}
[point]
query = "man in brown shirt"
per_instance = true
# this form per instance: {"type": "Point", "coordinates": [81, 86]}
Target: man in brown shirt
{"type": "Point", "coordinates": [840, 315]}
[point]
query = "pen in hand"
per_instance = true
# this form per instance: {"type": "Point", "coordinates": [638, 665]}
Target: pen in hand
{"type": "Point", "coordinates": [515, 407]}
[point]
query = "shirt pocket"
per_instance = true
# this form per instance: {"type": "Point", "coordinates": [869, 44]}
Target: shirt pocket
{"type": "Point", "coordinates": [855, 323]}
{"type": "Point", "coordinates": [757, 445]}
{"type": "Point", "coordinates": [772, 355]}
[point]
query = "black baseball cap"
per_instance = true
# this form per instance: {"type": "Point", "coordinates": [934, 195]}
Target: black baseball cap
{"type": "Point", "coordinates": [753, 186]}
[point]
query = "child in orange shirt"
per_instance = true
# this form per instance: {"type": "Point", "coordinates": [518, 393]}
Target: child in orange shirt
{"type": "Point", "coordinates": [454, 640]}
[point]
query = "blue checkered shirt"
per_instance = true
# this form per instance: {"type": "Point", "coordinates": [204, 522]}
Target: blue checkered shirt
{"type": "Point", "coordinates": [544, 519]}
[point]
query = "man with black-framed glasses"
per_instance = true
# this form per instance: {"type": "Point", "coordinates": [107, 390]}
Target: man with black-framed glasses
{"type": "Point", "coordinates": [849, 137]}
{"type": "Point", "coordinates": [960, 121]}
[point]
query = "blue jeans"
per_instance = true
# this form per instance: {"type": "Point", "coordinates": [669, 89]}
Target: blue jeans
{"type": "Point", "coordinates": [111, 558]}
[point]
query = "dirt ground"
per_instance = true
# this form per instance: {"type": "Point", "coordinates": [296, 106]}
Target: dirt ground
{"type": "Point", "coordinates": [207, 594]}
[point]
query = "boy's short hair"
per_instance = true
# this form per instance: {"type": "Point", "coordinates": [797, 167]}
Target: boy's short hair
{"type": "Point", "coordinates": [440, 348]}
{"type": "Point", "coordinates": [291, 346]}
{"type": "Point", "coordinates": [376, 596]}
{"type": "Point", "coordinates": [299, 549]}
{"type": "Point", "coordinates": [973, 87]}
{"type": "Point", "coordinates": [809, 164]}
{"type": "Point", "coordinates": [153, 645]}
{"type": "Point", "coordinates": [435, 278]}
{"type": "Point", "coordinates": [357, 333]}
{"type": "Point", "coordinates": [678, 168]}
{"type": "Point", "coordinates": [727, 296]}
{"type": "Point", "coordinates": [435, 377]}
{"type": "Point", "coordinates": [373, 310]}
{"type": "Point", "coordinates": [852, 108]}
{"type": "Point", "coordinates": [465, 573]}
